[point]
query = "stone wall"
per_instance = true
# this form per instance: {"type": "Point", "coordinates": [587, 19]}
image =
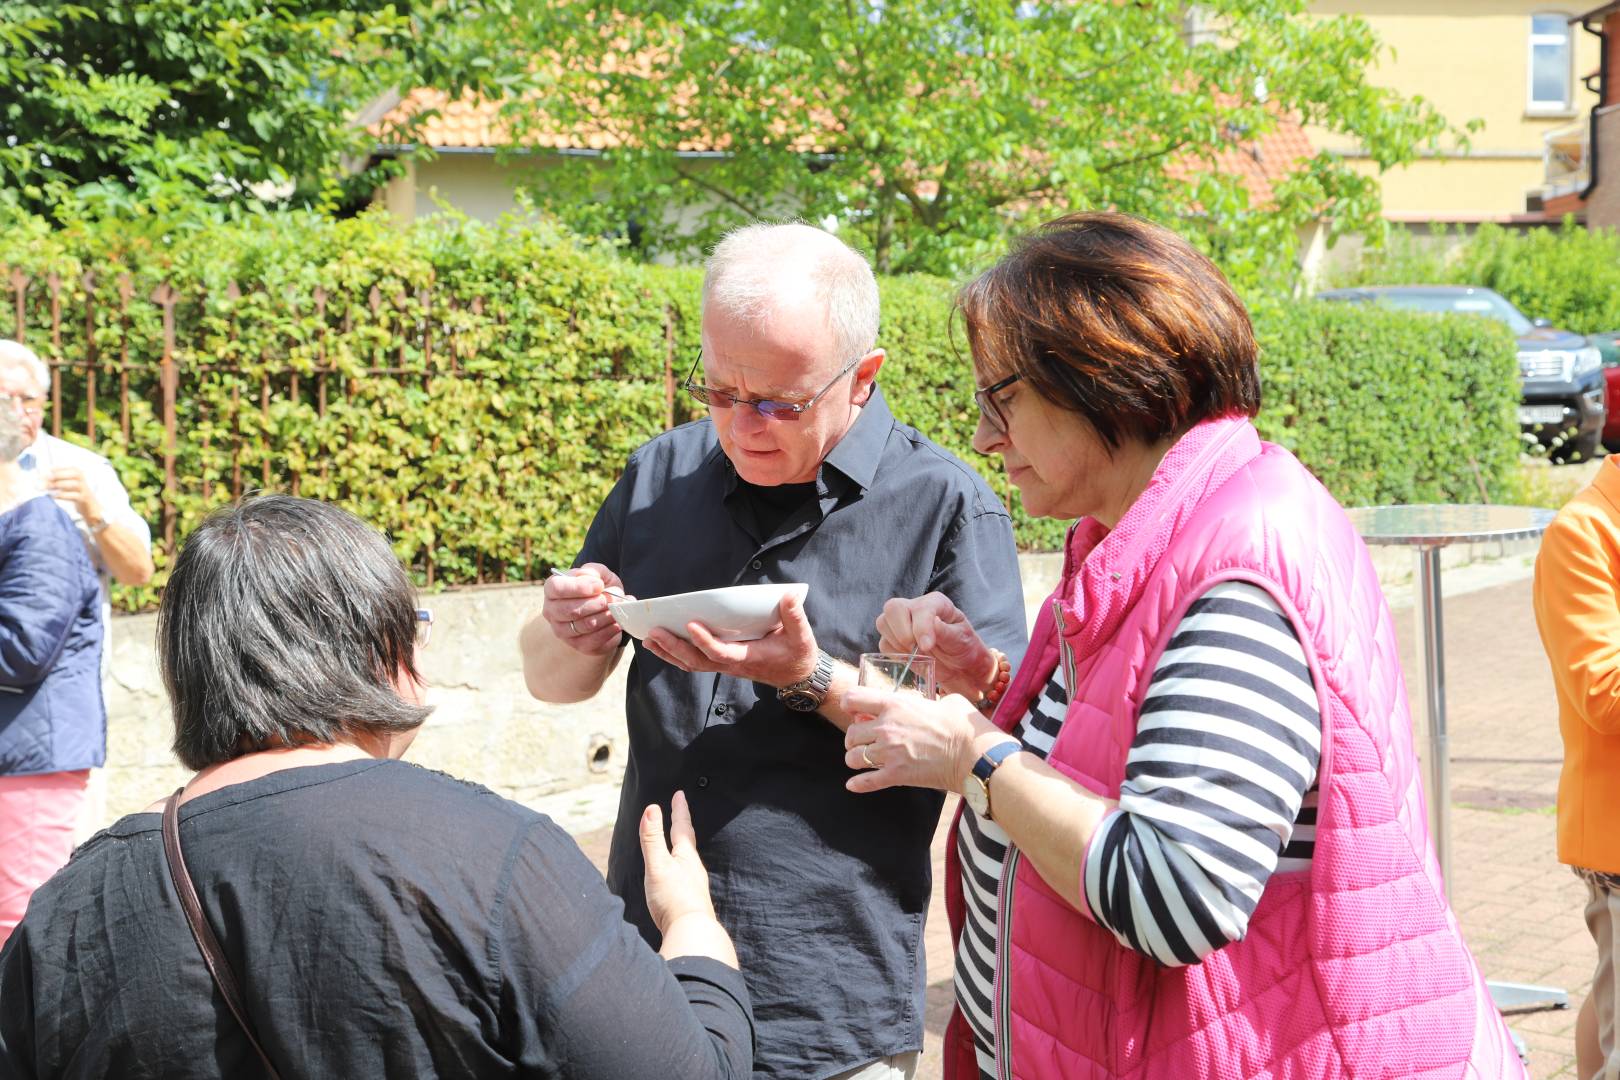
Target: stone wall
{"type": "Point", "coordinates": [485, 726]}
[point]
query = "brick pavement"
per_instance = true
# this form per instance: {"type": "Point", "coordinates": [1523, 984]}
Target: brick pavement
{"type": "Point", "coordinates": [1520, 910]}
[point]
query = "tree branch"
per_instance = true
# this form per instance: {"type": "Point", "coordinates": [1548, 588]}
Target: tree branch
{"type": "Point", "coordinates": [862, 69]}
{"type": "Point", "coordinates": [919, 205]}
{"type": "Point", "coordinates": [1138, 159]}
{"type": "Point", "coordinates": [715, 190]}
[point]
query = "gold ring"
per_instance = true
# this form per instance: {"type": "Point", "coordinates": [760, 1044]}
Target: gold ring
{"type": "Point", "coordinates": [866, 753]}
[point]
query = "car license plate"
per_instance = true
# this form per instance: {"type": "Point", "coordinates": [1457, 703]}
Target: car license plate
{"type": "Point", "coordinates": [1540, 414]}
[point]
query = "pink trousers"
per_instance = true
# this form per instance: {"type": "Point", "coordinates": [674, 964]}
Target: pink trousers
{"type": "Point", "coordinates": [38, 817]}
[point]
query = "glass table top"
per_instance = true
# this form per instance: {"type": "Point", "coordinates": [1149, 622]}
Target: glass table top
{"type": "Point", "coordinates": [1435, 525]}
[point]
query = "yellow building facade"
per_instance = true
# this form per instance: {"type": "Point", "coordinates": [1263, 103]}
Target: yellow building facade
{"type": "Point", "coordinates": [1517, 66]}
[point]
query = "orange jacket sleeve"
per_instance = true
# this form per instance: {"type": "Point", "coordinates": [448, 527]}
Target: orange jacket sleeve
{"type": "Point", "coordinates": [1577, 604]}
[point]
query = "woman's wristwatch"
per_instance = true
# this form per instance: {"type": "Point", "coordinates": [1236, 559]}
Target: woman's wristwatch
{"type": "Point", "coordinates": [976, 788]}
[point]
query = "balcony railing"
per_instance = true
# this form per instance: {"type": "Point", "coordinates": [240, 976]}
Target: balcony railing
{"type": "Point", "coordinates": [1565, 159]}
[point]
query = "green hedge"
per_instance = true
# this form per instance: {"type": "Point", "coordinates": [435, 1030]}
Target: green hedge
{"type": "Point", "coordinates": [1391, 406]}
{"type": "Point", "coordinates": [492, 471]}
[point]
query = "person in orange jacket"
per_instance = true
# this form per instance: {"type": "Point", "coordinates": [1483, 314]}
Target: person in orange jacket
{"type": "Point", "coordinates": [1577, 604]}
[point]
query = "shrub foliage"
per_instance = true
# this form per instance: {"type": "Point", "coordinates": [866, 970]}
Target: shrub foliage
{"type": "Point", "coordinates": [474, 390]}
{"type": "Point", "coordinates": [1392, 406]}
{"type": "Point", "coordinates": [1569, 275]}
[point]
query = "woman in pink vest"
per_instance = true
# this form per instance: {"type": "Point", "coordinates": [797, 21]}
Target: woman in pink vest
{"type": "Point", "coordinates": [1193, 838]}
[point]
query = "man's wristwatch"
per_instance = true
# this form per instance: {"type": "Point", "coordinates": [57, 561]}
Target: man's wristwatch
{"type": "Point", "coordinates": [976, 788]}
{"type": "Point", "coordinates": [99, 527]}
{"type": "Point", "coordinates": [808, 693]}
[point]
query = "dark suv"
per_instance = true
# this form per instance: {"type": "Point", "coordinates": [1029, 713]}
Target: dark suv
{"type": "Point", "coordinates": [1560, 374]}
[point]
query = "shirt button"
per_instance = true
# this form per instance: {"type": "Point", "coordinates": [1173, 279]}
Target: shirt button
{"type": "Point", "coordinates": [703, 781]}
{"type": "Point", "coordinates": [758, 565]}
{"type": "Point", "coordinates": [720, 710]}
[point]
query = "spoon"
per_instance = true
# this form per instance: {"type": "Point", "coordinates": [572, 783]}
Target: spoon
{"type": "Point", "coordinates": [901, 679]}
{"type": "Point", "coordinates": [609, 589]}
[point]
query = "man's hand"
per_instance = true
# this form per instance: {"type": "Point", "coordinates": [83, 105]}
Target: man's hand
{"type": "Point", "coordinates": [69, 484]}
{"type": "Point", "coordinates": [785, 655]}
{"type": "Point", "coordinates": [932, 625]}
{"type": "Point", "coordinates": [576, 609]}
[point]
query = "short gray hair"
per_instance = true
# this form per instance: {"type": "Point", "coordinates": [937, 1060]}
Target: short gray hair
{"type": "Point", "coordinates": [16, 354]}
{"type": "Point", "coordinates": [12, 443]}
{"type": "Point", "coordinates": [752, 270]}
{"type": "Point", "coordinates": [285, 621]}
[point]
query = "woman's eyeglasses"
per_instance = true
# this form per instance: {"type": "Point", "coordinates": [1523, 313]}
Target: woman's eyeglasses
{"type": "Point", "coordinates": [770, 409]}
{"type": "Point", "coordinates": [424, 627]}
{"type": "Point", "coordinates": [989, 408]}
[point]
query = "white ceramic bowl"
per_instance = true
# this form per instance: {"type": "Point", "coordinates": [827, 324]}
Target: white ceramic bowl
{"type": "Point", "coordinates": [737, 613]}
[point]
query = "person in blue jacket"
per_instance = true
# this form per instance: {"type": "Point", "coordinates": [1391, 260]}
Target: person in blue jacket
{"type": "Point", "coordinates": [53, 725]}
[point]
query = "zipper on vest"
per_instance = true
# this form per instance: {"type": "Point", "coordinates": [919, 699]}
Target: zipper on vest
{"type": "Point", "coordinates": [1065, 653]}
{"type": "Point", "coordinates": [1001, 989]}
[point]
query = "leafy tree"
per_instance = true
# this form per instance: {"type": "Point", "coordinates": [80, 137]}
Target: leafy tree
{"type": "Point", "coordinates": [147, 107]}
{"type": "Point", "coordinates": [936, 127]}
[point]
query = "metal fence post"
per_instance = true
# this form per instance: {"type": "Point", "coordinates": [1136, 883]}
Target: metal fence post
{"type": "Point", "coordinates": [169, 380]}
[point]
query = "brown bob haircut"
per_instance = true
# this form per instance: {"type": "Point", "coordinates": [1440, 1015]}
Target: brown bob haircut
{"type": "Point", "coordinates": [1119, 320]}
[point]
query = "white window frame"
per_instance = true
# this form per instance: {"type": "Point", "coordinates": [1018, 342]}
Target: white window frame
{"type": "Point", "coordinates": [1566, 107]}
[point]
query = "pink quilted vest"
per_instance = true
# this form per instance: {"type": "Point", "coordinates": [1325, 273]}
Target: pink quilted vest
{"type": "Point", "coordinates": [1355, 968]}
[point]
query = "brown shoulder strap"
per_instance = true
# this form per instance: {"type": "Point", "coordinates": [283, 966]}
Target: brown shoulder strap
{"type": "Point", "coordinates": [212, 954]}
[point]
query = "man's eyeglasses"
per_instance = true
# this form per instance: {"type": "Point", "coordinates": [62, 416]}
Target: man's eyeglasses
{"type": "Point", "coordinates": [989, 408]}
{"type": "Point", "coordinates": [28, 403]}
{"type": "Point", "coordinates": [424, 627]}
{"type": "Point", "coordinates": [766, 407]}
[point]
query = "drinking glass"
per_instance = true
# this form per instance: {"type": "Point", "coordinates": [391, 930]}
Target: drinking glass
{"type": "Point", "coordinates": [890, 671]}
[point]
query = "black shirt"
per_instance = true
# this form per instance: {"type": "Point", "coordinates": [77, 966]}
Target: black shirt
{"type": "Point", "coordinates": [823, 891]}
{"type": "Point", "coordinates": [769, 506]}
{"type": "Point", "coordinates": [383, 920]}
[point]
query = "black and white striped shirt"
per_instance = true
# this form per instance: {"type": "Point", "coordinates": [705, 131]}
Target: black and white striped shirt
{"type": "Point", "coordinates": [1219, 794]}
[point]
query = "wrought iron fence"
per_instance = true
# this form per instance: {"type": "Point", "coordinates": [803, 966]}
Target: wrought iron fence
{"type": "Point", "coordinates": [160, 381]}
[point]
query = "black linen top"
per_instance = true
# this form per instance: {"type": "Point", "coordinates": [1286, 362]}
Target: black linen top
{"type": "Point", "coordinates": [824, 891]}
{"type": "Point", "coordinates": [382, 919]}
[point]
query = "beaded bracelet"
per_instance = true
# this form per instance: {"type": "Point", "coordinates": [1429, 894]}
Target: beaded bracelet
{"type": "Point", "coordinates": [998, 685]}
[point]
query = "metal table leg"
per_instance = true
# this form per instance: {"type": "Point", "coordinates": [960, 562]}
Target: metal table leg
{"type": "Point", "coordinates": [1432, 665]}
{"type": "Point", "coordinates": [1437, 778]}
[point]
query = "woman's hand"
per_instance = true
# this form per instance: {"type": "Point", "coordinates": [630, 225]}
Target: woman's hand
{"type": "Point", "coordinates": [963, 663]}
{"type": "Point", "coordinates": [677, 884]}
{"type": "Point", "coordinates": [677, 887]}
{"type": "Point", "coordinates": [905, 739]}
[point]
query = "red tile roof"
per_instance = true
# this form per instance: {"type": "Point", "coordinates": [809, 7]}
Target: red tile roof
{"type": "Point", "coordinates": [1261, 162]}
{"type": "Point", "coordinates": [471, 122]}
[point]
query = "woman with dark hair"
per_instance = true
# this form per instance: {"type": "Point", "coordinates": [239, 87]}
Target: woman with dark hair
{"type": "Point", "coordinates": [361, 917]}
{"type": "Point", "coordinates": [53, 728]}
{"type": "Point", "coordinates": [1193, 843]}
